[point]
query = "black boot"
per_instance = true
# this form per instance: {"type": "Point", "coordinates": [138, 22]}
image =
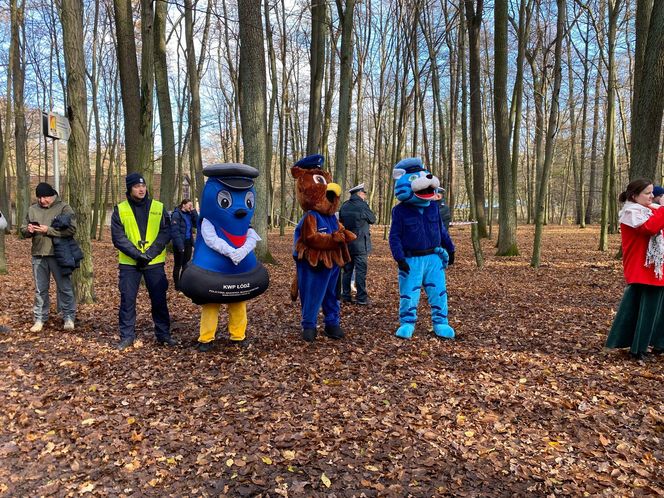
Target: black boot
{"type": "Point", "coordinates": [309, 335]}
{"type": "Point", "coordinates": [204, 347]}
{"type": "Point", "coordinates": [638, 356]}
{"type": "Point", "coordinates": [334, 332]}
{"type": "Point", "coordinates": [168, 342]}
{"type": "Point", "coordinates": [124, 344]}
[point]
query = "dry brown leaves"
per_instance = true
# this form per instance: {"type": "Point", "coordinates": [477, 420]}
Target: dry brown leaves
{"type": "Point", "coordinates": [523, 402]}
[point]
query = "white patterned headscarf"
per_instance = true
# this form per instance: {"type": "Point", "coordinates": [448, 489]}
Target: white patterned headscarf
{"type": "Point", "coordinates": [634, 215]}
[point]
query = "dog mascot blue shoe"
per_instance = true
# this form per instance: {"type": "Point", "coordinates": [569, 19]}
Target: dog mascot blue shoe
{"type": "Point", "coordinates": [320, 247]}
{"type": "Point", "coordinates": [224, 269]}
{"type": "Point", "coordinates": [421, 247]}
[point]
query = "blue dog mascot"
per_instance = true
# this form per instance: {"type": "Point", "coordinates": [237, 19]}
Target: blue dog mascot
{"type": "Point", "coordinates": [224, 268]}
{"type": "Point", "coordinates": [421, 247]}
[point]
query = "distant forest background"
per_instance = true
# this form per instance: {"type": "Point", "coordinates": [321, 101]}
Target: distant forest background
{"type": "Point", "coordinates": [529, 111]}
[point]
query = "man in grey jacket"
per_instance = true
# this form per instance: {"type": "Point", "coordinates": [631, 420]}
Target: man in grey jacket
{"type": "Point", "coordinates": [37, 226]}
{"type": "Point", "coordinates": [356, 216]}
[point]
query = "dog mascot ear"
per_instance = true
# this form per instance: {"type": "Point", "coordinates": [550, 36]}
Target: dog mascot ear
{"type": "Point", "coordinates": [224, 268]}
{"type": "Point", "coordinates": [320, 247]}
{"type": "Point", "coordinates": [421, 247]}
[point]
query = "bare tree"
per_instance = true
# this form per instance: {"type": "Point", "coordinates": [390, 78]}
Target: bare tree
{"type": "Point", "coordinates": [317, 61]}
{"type": "Point", "coordinates": [253, 108]}
{"type": "Point", "coordinates": [136, 92]}
{"type": "Point", "coordinates": [345, 89]}
{"type": "Point", "coordinates": [648, 90]}
{"type": "Point", "coordinates": [168, 191]}
{"type": "Point", "coordinates": [507, 245]}
{"type": "Point", "coordinates": [71, 17]}
{"type": "Point", "coordinates": [20, 134]}
{"type": "Point", "coordinates": [551, 133]}
{"type": "Point", "coordinates": [474, 12]}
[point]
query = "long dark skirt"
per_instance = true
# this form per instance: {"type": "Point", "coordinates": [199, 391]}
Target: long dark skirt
{"type": "Point", "coordinates": [639, 322]}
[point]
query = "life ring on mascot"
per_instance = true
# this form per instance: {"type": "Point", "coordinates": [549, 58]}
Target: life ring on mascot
{"type": "Point", "coordinates": [205, 286]}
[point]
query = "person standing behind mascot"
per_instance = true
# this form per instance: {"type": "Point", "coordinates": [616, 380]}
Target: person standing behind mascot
{"type": "Point", "coordinates": [421, 247]}
{"type": "Point", "coordinates": [225, 268]}
{"type": "Point", "coordinates": [184, 221]}
{"type": "Point", "coordinates": [320, 247]}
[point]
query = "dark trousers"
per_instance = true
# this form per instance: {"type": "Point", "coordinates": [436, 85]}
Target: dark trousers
{"type": "Point", "coordinates": [180, 260]}
{"type": "Point", "coordinates": [157, 284]}
{"type": "Point", "coordinates": [359, 263]}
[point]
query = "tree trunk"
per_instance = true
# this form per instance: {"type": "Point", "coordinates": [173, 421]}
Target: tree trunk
{"type": "Point", "coordinates": [552, 130]}
{"type": "Point", "coordinates": [345, 90]}
{"type": "Point", "coordinates": [609, 144]}
{"type": "Point", "coordinates": [20, 133]}
{"type": "Point", "coordinates": [130, 86]}
{"type": "Point", "coordinates": [71, 17]}
{"type": "Point", "coordinates": [474, 22]}
{"type": "Point", "coordinates": [317, 69]}
{"type": "Point", "coordinates": [467, 165]}
{"type": "Point", "coordinates": [195, 155]}
{"type": "Point", "coordinates": [99, 171]}
{"type": "Point", "coordinates": [253, 109]}
{"type": "Point", "coordinates": [649, 101]}
{"type": "Point", "coordinates": [507, 244]}
{"type": "Point", "coordinates": [168, 190]}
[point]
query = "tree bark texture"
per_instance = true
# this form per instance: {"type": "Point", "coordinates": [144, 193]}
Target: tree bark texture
{"type": "Point", "coordinates": [507, 245]}
{"type": "Point", "coordinates": [649, 102]}
{"type": "Point", "coordinates": [253, 109]}
{"type": "Point", "coordinates": [474, 22]}
{"type": "Point", "coordinates": [71, 16]}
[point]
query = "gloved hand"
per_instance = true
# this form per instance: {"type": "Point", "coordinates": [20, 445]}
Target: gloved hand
{"type": "Point", "coordinates": [142, 260]}
{"type": "Point", "coordinates": [403, 266]}
{"type": "Point", "coordinates": [450, 261]}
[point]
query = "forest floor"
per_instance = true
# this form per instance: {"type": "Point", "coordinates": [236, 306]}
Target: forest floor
{"type": "Point", "coordinates": [525, 401]}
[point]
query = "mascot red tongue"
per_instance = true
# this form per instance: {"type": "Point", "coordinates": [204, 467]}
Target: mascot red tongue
{"type": "Point", "coordinates": [320, 247]}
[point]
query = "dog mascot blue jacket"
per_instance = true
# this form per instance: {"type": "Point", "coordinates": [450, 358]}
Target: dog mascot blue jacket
{"type": "Point", "coordinates": [224, 268]}
{"type": "Point", "coordinates": [320, 247]}
{"type": "Point", "coordinates": [421, 247]}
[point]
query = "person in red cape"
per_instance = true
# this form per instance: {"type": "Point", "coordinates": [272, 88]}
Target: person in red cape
{"type": "Point", "coordinates": [639, 322]}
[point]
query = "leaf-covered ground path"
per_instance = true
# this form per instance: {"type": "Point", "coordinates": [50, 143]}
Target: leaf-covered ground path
{"type": "Point", "coordinates": [524, 402]}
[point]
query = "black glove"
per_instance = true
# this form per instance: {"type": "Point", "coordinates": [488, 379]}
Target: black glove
{"type": "Point", "coordinates": [403, 266]}
{"type": "Point", "coordinates": [142, 260]}
{"type": "Point", "coordinates": [450, 261]}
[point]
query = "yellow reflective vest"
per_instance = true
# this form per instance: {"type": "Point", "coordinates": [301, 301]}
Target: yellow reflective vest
{"type": "Point", "coordinates": [128, 221]}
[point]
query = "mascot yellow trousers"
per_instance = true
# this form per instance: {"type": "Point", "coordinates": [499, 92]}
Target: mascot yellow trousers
{"type": "Point", "coordinates": [237, 321]}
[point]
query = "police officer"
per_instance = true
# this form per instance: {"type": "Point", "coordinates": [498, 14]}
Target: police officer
{"type": "Point", "coordinates": [356, 216]}
{"type": "Point", "coordinates": [140, 231]}
{"type": "Point", "coordinates": [443, 208]}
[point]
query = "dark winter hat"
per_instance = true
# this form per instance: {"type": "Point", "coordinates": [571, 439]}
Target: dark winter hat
{"type": "Point", "coordinates": [657, 191]}
{"type": "Point", "coordinates": [133, 179]}
{"type": "Point", "coordinates": [45, 190]}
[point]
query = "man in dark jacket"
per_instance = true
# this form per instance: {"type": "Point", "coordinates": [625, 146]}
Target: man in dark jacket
{"type": "Point", "coordinates": [38, 227]}
{"type": "Point", "coordinates": [356, 216]}
{"type": "Point", "coordinates": [444, 209]}
{"type": "Point", "coordinates": [184, 222]}
{"type": "Point", "coordinates": [140, 231]}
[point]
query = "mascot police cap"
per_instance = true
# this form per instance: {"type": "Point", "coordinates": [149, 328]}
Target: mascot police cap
{"type": "Point", "coordinates": [234, 175]}
{"type": "Point", "coordinates": [408, 165]}
{"type": "Point", "coordinates": [314, 161]}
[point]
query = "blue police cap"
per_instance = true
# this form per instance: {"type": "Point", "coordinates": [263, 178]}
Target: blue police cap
{"type": "Point", "coordinates": [314, 161]}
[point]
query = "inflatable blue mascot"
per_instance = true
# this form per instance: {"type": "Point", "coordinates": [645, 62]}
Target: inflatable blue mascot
{"type": "Point", "coordinates": [224, 268]}
{"type": "Point", "coordinates": [421, 247]}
